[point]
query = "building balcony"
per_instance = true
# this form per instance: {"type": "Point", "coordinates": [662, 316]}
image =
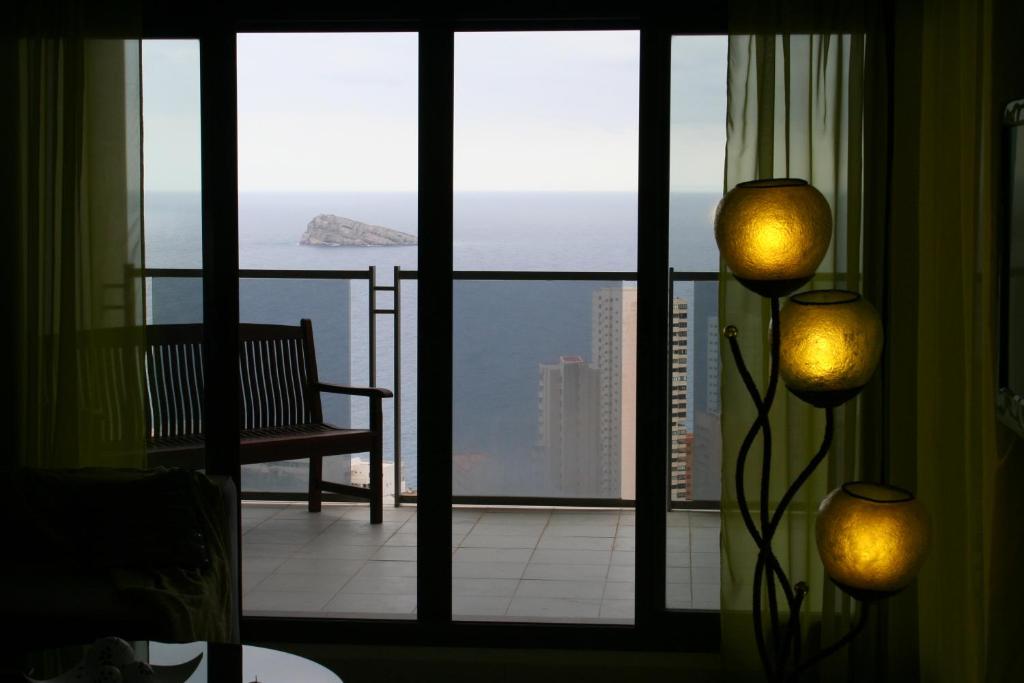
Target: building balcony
{"type": "Point", "coordinates": [508, 564]}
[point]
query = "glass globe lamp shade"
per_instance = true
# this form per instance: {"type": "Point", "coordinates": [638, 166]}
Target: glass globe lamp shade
{"type": "Point", "coordinates": [831, 341]}
{"type": "Point", "coordinates": [872, 538]}
{"type": "Point", "coordinates": [773, 233]}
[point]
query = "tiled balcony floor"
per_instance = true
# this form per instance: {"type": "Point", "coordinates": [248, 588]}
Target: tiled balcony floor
{"type": "Point", "coordinates": [509, 564]}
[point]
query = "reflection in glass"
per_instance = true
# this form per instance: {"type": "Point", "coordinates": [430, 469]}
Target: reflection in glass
{"type": "Point", "coordinates": [698, 102]}
{"type": "Point", "coordinates": [544, 383]}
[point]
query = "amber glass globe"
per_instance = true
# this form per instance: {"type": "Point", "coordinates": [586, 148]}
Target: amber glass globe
{"type": "Point", "coordinates": [872, 538]}
{"type": "Point", "coordinates": [831, 342]}
{"type": "Point", "coordinates": [773, 233]}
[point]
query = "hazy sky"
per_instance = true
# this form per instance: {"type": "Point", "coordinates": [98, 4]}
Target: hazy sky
{"type": "Point", "coordinates": [550, 111]}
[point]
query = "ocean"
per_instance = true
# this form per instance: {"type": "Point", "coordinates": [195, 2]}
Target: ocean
{"type": "Point", "coordinates": [503, 330]}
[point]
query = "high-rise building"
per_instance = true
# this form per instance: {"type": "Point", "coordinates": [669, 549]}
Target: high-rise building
{"type": "Point", "coordinates": [569, 426]}
{"type": "Point", "coordinates": [681, 433]}
{"type": "Point", "coordinates": [588, 412]}
{"type": "Point", "coordinates": [613, 345]}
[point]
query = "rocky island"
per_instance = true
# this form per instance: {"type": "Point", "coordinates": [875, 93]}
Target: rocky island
{"type": "Point", "coordinates": [328, 230]}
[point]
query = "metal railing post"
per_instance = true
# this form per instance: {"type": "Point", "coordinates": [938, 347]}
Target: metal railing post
{"type": "Point", "coordinates": [397, 389]}
{"type": "Point", "coordinates": [373, 325]}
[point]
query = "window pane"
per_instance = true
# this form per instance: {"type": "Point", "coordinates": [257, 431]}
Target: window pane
{"type": "Point", "coordinates": [546, 150]}
{"type": "Point", "coordinates": [545, 392]}
{"type": "Point", "coordinates": [171, 152]}
{"type": "Point", "coordinates": [696, 171]}
{"type": "Point", "coordinates": [697, 144]}
{"type": "Point", "coordinates": [327, 147]}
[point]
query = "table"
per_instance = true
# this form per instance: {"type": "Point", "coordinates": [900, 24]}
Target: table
{"type": "Point", "coordinates": [258, 663]}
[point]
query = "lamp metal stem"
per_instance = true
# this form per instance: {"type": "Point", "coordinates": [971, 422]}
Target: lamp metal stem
{"type": "Point", "coordinates": [834, 647]}
{"type": "Point", "coordinates": [785, 642]}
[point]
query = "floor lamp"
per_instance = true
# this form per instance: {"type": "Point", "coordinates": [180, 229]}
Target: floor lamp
{"type": "Point", "coordinates": [871, 537]}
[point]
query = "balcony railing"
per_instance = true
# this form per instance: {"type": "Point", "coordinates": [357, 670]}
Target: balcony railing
{"type": "Point", "coordinates": [374, 311]}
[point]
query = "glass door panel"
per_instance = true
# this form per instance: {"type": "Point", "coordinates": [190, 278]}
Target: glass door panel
{"type": "Point", "coordinates": [327, 150]}
{"type": "Point", "coordinates": [546, 127]}
{"type": "Point", "coordinates": [694, 459]}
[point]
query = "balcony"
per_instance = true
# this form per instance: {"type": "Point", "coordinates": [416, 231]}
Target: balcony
{"type": "Point", "coordinates": [508, 564]}
{"type": "Point", "coordinates": [544, 561]}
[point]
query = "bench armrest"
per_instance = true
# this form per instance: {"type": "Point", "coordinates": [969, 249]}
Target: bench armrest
{"type": "Point", "coordinates": [372, 392]}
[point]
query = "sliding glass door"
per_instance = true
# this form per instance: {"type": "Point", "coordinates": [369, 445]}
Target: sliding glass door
{"type": "Point", "coordinates": [544, 357]}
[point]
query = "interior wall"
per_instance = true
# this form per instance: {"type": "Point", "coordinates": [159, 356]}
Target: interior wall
{"type": "Point", "coordinates": [1006, 557]}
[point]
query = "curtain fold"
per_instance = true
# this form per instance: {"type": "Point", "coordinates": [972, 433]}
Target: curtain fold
{"type": "Point", "coordinates": [953, 123]}
{"type": "Point", "coordinates": [798, 80]}
{"type": "Point", "coordinates": [77, 249]}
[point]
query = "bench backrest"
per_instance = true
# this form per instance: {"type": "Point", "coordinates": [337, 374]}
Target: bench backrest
{"type": "Point", "coordinates": [277, 375]}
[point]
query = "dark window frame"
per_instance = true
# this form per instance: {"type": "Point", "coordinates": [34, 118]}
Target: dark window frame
{"type": "Point", "coordinates": [655, 626]}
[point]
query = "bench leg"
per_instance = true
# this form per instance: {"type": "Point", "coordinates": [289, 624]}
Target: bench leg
{"type": "Point", "coordinates": [316, 476]}
{"type": "Point", "coordinates": [376, 486]}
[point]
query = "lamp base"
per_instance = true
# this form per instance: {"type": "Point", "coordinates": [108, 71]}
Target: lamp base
{"type": "Point", "coordinates": [825, 399]}
{"type": "Point", "coordinates": [774, 288]}
{"type": "Point", "coordinates": [863, 594]}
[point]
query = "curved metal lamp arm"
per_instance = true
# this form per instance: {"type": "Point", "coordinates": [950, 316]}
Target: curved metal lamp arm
{"type": "Point", "coordinates": [858, 626]}
{"type": "Point", "coordinates": [785, 642]}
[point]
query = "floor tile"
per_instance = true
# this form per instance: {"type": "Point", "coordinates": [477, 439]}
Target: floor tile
{"type": "Point", "coordinates": [623, 557]}
{"type": "Point", "coordinates": [677, 559]}
{"type": "Point", "coordinates": [253, 550]}
{"type": "Point", "coordinates": [487, 570]}
{"type": "Point", "coordinates": [677, 575]}
{"type": "Point", "coordinates": [285, 601]}
{"type": "Point", "coordinates": [387, 568]}
{"type": "Point", "coordinates": [554, 542]}
{"type": "Point", "coordinates": [676, 594]}
{"type": "Point", "coordinates": [618, 609]}
{"type": "Point", "coordinates": [705, 559]}
{"type": "Point", "coordinates": [308, 523]}
{"type": "Point", "coordinates": [319, 565]}
{"type": "Point", "coordinates": [406, 554]}
{"type": "Point", "coordinates": [553, 608]}
{"type": "Point", "coordinates": [605, 531]}
{"type": "Point", "coordinates": [279, 536]}
{"type": "Point", "coordinates": [557, 588]}
{"type": "Point", "coordinates": [508, 564]}
{"type": "Point", "coordinates": [355, 604]}
{"type": "Point", "coordinates": [493, 555]}
{"type": "Point", "coordinates": [504, 588]}
{"type": "Point", "coordinates": [479, 606]}
{"type": "Point", "coordinates": [705, 574]}
{"type": "Point", "coordinates": [262, 565]}
{"type": "Point", "coordinates": [327, 550]}
{"type": "Point", "coordinates": [621, 573]}
{"type": "Point", "coordinates": [401, 539]}
{"type": "Point", "coordinates": [381, 585]}
{"type": "Point", "coordinates": [625, 544]}
{"type": "Point", "coordinates": [478, 540]}
{"type": "Point", "coordinates": [517, 529]}
{"type": "Point", "coordinates": [706, 519]}
{"type": "Point", "coordinates": [305, 583]}
{"type": "Point", "coordinates": [591, 572]}
{"type": "Point", "coordinates": [550, 556]}
{"type": "Point", "coordinates": [251, 580]}
{"type": "Point", "coordinates": [619, 590]}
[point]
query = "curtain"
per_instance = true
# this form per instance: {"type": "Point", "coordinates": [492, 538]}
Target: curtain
{"type": "Point", "coordinates": [946, 131]}
{"type": "Point", "coordinates": [803, 92]}
{"type": "Point", "coordinates": [77, 297]}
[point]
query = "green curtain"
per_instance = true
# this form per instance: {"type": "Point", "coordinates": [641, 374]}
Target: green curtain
{"type": "Point", "coordinates": [803, 92]}
{"type": "Point", "coordinates": [77, 217]}
{"type": "Point", "coordinates": [945, 171]}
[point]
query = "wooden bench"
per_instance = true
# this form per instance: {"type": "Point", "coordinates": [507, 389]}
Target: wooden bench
{"type": "Point", "coordinates": [281, 413]}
